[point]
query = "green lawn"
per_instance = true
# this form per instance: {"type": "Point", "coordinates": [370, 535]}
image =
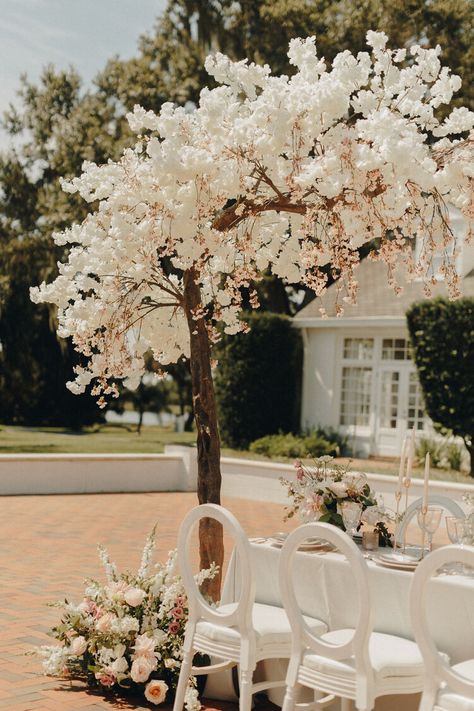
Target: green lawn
{"type": "Point", "coordinates": [123, 439]}
{"type": "Point", "coordinates": [103, 439]}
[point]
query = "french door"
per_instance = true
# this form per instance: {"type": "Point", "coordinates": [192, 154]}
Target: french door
{"type": "Point", "coordinates": [399, 407]}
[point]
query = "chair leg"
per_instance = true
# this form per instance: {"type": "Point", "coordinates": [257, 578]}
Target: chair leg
{"type": "Point", "coordinates": [428, 699]}
{"type": "Point", "coordinates": [245, 699]}
{"type": "Point", "coordinates": [183, 680]}
{"type": "Point", "coordinates": [289, 699]}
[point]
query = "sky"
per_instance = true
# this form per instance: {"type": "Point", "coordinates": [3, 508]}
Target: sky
{"type": "Point", "coordinates": [82, 33]}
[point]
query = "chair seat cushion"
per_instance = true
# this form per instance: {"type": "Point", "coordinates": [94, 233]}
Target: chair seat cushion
{"type": "Point", "coordinates": [270, 624]}
{"type": "Point", "coordinates": [449, 700]}
{"type": "Point", "coordinates": [390, 656]}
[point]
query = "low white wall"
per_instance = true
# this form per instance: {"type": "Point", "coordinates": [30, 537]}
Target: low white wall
{"type": "Point", "coordinates": [94, 473]}
{"type": "Point", "coordinates": [175, 470]}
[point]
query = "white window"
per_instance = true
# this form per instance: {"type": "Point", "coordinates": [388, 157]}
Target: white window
{"type": "Point", "coordinates": [416, 413]}
{"type": "Point", "coordinates": [396, 349]}
{"type": "Point", "coordinates": [356, 387]}
{"type": "Point", "coordinates": [358, 348]}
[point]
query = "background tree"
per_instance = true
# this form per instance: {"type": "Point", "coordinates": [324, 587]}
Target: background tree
{"type": "Point", "coordinates": [258, 380]}
{"type": "Point", "coordinates": [55, 128]}
{"type": "Point", "coordinates": [442, 338]}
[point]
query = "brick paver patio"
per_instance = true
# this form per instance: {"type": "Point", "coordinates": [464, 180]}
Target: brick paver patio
{"type": "Point", "coordinates": [48, 547]}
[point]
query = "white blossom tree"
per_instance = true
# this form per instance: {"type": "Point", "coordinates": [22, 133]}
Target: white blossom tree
{"type": "Point", "coordinates": [268, 172]}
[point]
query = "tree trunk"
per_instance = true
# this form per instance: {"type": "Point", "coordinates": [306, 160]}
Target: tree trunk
{"type": "Point", "coordinates": [211, 545]}
{"type": "Point", "coordinates": [470, 448]}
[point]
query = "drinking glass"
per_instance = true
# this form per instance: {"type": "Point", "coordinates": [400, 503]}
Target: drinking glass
{"type": "Point", "coordinates": [429, 521]}
{"type": "Point", "coordinates": [465, 534]}
{"type": "Point", "coordinates": [451, 521]}
{"type": "Point", "coordinates": [351, 512]}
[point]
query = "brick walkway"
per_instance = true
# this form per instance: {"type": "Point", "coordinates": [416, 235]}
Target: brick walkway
{"type": "Point", "coordinates": [48, 547]}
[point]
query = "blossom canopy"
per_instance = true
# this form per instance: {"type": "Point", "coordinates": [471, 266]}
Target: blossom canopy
{"type": "Point", "coordinates": [278, 173]}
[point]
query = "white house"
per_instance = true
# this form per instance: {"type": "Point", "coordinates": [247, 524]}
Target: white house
{"type": "Point", "coordinates": [358, 375]}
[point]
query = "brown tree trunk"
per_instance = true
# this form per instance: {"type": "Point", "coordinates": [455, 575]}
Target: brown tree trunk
{"type": "Point", "coordinates": [211, 544]}
{"type": "Point", "coordinates": [470, 448]}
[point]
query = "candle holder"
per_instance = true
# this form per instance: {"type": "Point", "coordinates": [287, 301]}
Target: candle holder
{"type": "Point", "coordinates": [370, 540]}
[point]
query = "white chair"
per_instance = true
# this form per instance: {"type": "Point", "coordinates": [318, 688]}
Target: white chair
{"type": "Point", "coordinates": [240, 633]}
{"type": "Point", "coordinates": [433, 500]}
{"type": "Point", "coordinates": [353, 664]}
{"type": "Point", "coordinates": [446, 688]}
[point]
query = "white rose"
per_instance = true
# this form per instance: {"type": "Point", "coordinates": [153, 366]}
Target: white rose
{"type": "Point", "coordinates": [78, 646]}
{"type": "Point", "coordinates": [104, 623]}
{"type": "Point", "coordinates": [338, 488]}
{"type": "Point", "coordinates": [144, 646]}
{"type": "Point", "coordinates": [119, 666]}
{"type": "Point", "coordinates": [134, 596]}
{"type": "Point", "coordinates": [141, 669]}
{"type": "Point", "coordinates": [155, 691]}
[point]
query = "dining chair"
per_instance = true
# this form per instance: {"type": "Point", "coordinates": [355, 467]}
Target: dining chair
{"type": "Point", "coordinates": [446, 688]}
{"type": "Point", "coordinates": [433, 500]}
{"type": "Point", "coordinates": [237, 634]}
{"type": "Point", "coordinates": [355, 664]}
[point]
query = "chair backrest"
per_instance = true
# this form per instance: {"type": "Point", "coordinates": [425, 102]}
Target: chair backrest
{"type": "Point", "coordinates": [358, 645]}
{"type": "Point", "coordinates": [436, 666]}
{"type": "Point", "coordinates": [241, 615]}
{"type": "Point", "coordinates": [433, 500]}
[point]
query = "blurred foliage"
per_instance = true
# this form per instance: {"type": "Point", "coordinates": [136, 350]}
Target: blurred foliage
{"type": "Point", "coordinates": [258, 380]}
{"type": "Point", "coordinates": [442, 337]}
{"type": "Point", "coordinates": [55, 125]}
{"type": "Point", "coordinates": [294, 446]}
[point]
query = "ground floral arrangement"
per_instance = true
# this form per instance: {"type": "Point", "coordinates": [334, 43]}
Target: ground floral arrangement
{"type": "Point", "coordinates": [127, 634]}
{"type": "Point", "coordinates": [322, 486]}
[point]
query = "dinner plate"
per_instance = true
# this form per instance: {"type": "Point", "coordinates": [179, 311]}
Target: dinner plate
{"type": "Point", "coordinates": [278, 539]}
{"type": "Point", "coordinates": [394, 564]}
{"type": "Point", "coordinates": [399, 557]}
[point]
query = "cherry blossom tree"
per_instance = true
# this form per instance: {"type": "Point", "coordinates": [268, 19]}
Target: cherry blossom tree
{"type": "Point", "coordinates": [267, 172]}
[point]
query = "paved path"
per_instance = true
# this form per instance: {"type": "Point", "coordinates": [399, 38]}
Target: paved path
{"type": "Point", "coordinates": [48, 547]}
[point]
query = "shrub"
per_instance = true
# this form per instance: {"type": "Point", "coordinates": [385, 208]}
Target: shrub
{"type": "Point", "coordinates": [258, 380]}
{"type": "Point", "coordinates": [434, 447]}
{"type": "Point", "coordinates": [294, 446]}
{"type": "Point", "coordinates": [454, 454]}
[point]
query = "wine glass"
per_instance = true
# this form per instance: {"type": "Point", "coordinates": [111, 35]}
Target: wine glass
{"type": "Point", "coordinates": [465, 534]}
{"type": "Point", "coordinates": [453, 536]}
{"type": "Point", "coordinates": [429, 520]}
{"type": "Point", "coordinates": [351, 512]}
{"type": "Point", "coordinates": [451, 530]}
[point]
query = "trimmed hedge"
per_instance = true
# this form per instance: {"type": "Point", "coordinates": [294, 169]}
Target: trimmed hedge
{"type": "Point", "coordinates": [294, 446]}
{"type": "Point", "coordinates": [442, 336]}
{"type": "Point", "coordinates": [258, 380]}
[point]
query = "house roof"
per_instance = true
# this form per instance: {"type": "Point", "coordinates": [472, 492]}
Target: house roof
{"type": "Point", "coordinates": [375, 298]}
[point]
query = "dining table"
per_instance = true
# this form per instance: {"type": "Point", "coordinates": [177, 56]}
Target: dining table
{"type": "Point", "coordinates": [324, 588]}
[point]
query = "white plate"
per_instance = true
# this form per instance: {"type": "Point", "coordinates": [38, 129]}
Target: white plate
{"type": "Point", "coordinates": [400, 558]}
{"type": "Point", "coordinates": [310, 545]}
{"type": "Point", "coordinates": [395, 566]}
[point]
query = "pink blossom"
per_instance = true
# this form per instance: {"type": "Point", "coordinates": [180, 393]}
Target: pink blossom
{"type": "Point", "coordinates": [178, 613]}
{"type": "Point", "coordinates": [106, 677]}
{"type": "Point", "coordinates": [174, 627]}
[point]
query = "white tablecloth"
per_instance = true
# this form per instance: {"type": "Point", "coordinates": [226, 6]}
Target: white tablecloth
{"type": "Point", "coordinates": [323, 587]}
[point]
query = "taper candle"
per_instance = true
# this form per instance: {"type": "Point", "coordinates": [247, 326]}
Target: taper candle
{"type": "Point", "coordinates": [401, 470]}
{"type": "Point", "coordinates": [427, 478]}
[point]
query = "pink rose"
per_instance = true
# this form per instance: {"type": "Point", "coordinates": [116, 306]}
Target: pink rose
{"type": "Point", "coordinates": [178, 613]}
{"type": "Point", "coordinates": [78, 646]}
{"type": "Point", "coordinates": [174, 627]}
{"type": "Point", "coordinates": [155, 691]}
{"type": "Point", "coordinates": [134, 596]}
{"type": "Point", "coordinates": [141, 669]}
{"type": "Point", "coordinates": [106, 677]}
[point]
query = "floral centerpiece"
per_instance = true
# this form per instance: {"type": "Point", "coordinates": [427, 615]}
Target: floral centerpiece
{"type": "Point", "coordinates": [126, 634]}
{"type": "Point", "coordinates": [320, 489]}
